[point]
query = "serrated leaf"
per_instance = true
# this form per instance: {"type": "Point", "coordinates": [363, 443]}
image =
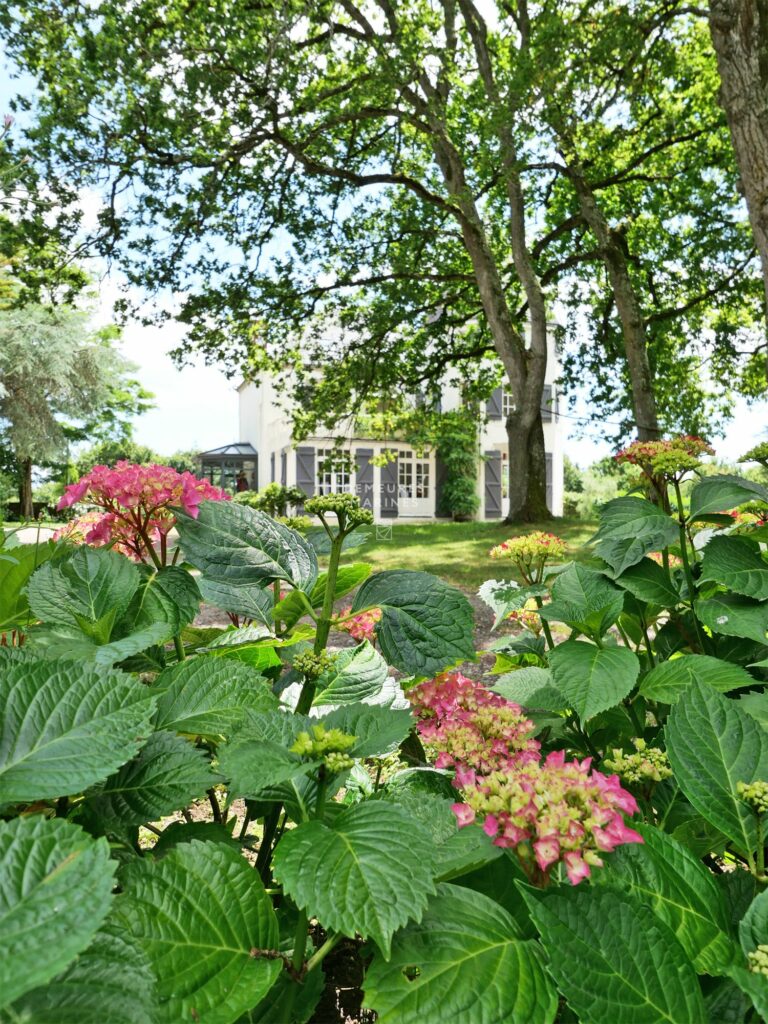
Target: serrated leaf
{"type": "Point", "coordinates": [66, 726]}
{"type": "Point", "coordinates": [612, 958]}
{"type": "Point", "coordinates": [532, 687]}
{"type": "Point", "coordinates": [756, 705]}
{"type": "Point", "coordinates": [505, 596]}
{"type": "Point", "coordinates": [648, 581]}
{"type": "Point", "coordinates": [677, 887]}
{"type": "Point", "coordinates": [463, 962]}
{"type": "Point", "coordinates": [357, 673]}
{"type": "Point", "coordinates": [185, 831]}
{"type": "Point", "coordinates": [733, 615]}
{"type": "Point", "coordinates": [91, 582]}
{"type": "Point", "coordinates": [593, 679]}
{"type": "Point", "coordinates": [209, 697]}
{"type": "Point", "coordinates": [252, 600]}
{"type": "Point", "coordinates": [378, 730]}
{"type": "Point", "coordinates": [347, 578]}
{"type": "Point", "coordinates": [68, 642]}
{"type": "Point", "coordinates": [111, 981]}
{"type": "Point", "coordinates": [167, 773]}
{"type": "Point", "coordinates": [201, 915]}
{"type": "Point", "coordinates": [723, 492]}
{"type": "Point", "coordinates": [15, 571]}
{"type": "Point", "coordinates": [736, 562]}
{"type": "Point", "coordinates": [369, 872]}
{"type": "Point", "coordinates": [425, 623]}
{"type": "Point", "coordinates": [712, 745]}
{"type": "Point", "coordinates": [55, 891]}
{"type": "Point", "coordinates": [669, 679]}
{"type": "Point", "coordinates": [167, 595]}
{"type": "Point", "coordinates": [234, 544]}
{"type": "Point", "coordinates": [629, 529]}
{"type": "Point", "coordinates": [254, 766]}
{"type": "Point", "coordinates": [584, 600]}
{"type": "Point", "coordinates": [753, 928]}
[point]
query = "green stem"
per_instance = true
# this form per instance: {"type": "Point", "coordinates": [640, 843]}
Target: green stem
{"type": "Point", "coordinates": [545, 626]}
{"type": "Point", "coordinates": [640, 728]}
{"type": "Point", "coordinates": [317, 958]}
{"type": "Point", "coordinates": [177, 643]}
{"type": "Point", "coordinates": [687, 565]}
{"type": "Point", "coordinates": [760, 847]}
{"type": "Point", "coordinates": [265, 847]}
{"type": "Point", "coordinates": [624, 637]}
{"type": "Point", "coordinates": [300, 942]}
{"type": "Point", "coordinates": [325, 619]}
{"type": "Point", "coordinates": [648, 648]}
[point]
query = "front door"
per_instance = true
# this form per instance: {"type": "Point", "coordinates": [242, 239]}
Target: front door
{"type": "Point", "coordinates": [414, 491]}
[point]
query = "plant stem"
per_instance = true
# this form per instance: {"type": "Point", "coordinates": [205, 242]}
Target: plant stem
{"type": "Point", "coordinates": [326, 616]}
{"type": "Point", "coordinates": [760, 847]}
{"type": "Point", "coordinates": [317, 958]}
{"type": "Point", "coordinates": [177, 643]}
{"type": "Point", "coordinates": [214, 806]}
{"type": "Point", "coordinates": [648, 648]}
{"type": "Point", "coordinates": [687, 565]}
{"type": "Point", "coordinates": [265, 847]}
{"type": "Point", "coordinates": [300, 942]}
{"type": "Point", "coordinates": [545, 626]}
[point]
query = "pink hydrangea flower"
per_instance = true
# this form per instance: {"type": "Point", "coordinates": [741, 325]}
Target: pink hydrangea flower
{"type": "Point", "coordinates": [362, 626]}
{"type": "Point", "coordinates": [137, 506]}
{"type": "Point", "coordinates": [548, 811]}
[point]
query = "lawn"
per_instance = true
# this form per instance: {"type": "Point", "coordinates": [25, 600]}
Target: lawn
{"type": "Point", "coordinates": [458, 552]}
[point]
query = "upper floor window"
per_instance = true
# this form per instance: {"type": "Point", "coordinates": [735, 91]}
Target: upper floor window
{"type": "Point", "coordinates": [334, 474]}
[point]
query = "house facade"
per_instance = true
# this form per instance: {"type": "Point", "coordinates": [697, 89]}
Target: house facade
{"type": "Point", "coordinates": [408, 487]}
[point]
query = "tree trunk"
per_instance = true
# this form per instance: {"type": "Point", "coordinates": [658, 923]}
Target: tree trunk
{"type": "Point", "coordinates": [614, 257]}
{"type": "Point", "coordinates": [527, 487]}
{"type": "Point", "coordinates": [739, 30]}
{"type": "Point", "coordinates": [25, 489]}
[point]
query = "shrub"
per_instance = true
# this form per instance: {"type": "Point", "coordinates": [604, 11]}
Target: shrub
{"type": "Point", "coordinates": [579, 836]}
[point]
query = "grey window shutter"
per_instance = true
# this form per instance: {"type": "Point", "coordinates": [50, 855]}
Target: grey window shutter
{"type": "Point", "coordinates": [493, 405]}
{"type": "Point", "coordinates": [389, 490]}
{"type": "Point", "coordinates": [441, 475]}
{"type": "Point", "coordinates": [546, 404]}
{"type": "Point", "coordinates": [548, 459]}
{"type": "Point", "coordinates": [493, 485]}
{"type": "Point", "coordinates": [364, 477]}
{"type": "Point", "coordinates": [284, 468]}
{"type": "Point", "coordinates": [305, 470]}
{"type": "Point", "coordinates": [272, 467]}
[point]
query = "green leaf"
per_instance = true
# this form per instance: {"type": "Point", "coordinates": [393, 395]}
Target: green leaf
{"type": "Point", "coordinates": [68, 642]}
{"type": "Point", "coordinates": [357, 673]}
{"type": "Point", "coordinates": [55, 891]}
{"type": "Point", "coordinates": [463, 962]}
{"type": "Point", "coordinates": [378, 730]}
{"type": "Point", "coordinates": [667, 681]}
{"type": "Point", "coordinates": [753, 928]}
{"type": "Point", "coordinates": [185, 831]}
{"type": "Point", "coordinates": [168, 773]}
{"type": "Point", "coordinates": [753, 985]}
{"type": "Point", "coordinates": [592, 679]}
{"type": "Point", "coordinates": [677, 887]}
{"type": "Point", "coordinates": [648, 581]}
{"type": "Point", "coordinates": [253, 766]}
{"type": "Point", "coordinates": [532, 687]}
{"type": "Point", "coordinates": [712, 745]}
{"type": "Point", "coordinates": [368, 873]}
{"type": "Point", "coordinates": [110, 982]}
{"type": "Point", "coordinates": [66, 726]}
{"type": "Point", "coordinates": [288, 1000]}
{"type": "Point", "coordinates": [736, 563]}
{"type": "Point", "coordinates": [629, 529]}
{"type": "Point", "coordinates": [725, 1003]}
{"type": "Point", "coordinates": [584, 600]}
{"type": "Point", "coordinates": [252, 600]}
{"type": "Point", "coordinates": [234, 544]}
{"type": "Point", "coordinates": [425, 624]}
{"type": "Point", "coordinates": [505, 596]}
{"type": "Point", "coordinates": [613, 959]}
{"type": "Point", "coordinates": [732, 615]}
{"type": "Point", "coordinates": [209, 697]}
{"type": "Point", "coordinates": [165, 595]}
{"type": "Point", "coordinates": [91, 582]}
{"type": "Point", "coordinates": [756, 705]}
{"type": "Point", "coordinates": [15, 571]}
{"type": "Point", "coordinates": [723, 492]}
{"type": "Point", "coordinates": [347, 578]}
{"type": "Point", "coordinates": [456, 850]}
{"type": "Point", "coordinates": [201, 916]}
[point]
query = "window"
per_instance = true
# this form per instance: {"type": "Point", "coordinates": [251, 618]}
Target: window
{"type": "Point", "coordinates": [333, 472]}
{"type": "Point", "coordinates": [507, 403]}
{"type": "Point", "coordinates": [412, 476]}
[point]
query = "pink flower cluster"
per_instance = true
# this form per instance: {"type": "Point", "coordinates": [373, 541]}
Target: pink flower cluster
{"type": "Point", "coordinates": [549, 810]}
{"type": "Point", "coordinates": [137, 506]}
{"type": "Point", "coordinates": [362, 626]}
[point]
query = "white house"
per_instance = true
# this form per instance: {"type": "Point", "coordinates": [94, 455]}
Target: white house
{"type": "Point", "coordinates": [409, 487]}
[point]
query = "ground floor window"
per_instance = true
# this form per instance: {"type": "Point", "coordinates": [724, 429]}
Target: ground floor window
{"type": "Point", "coordinates": [334, 472]}
{"type": "Point", "coordinates": [412, 476]}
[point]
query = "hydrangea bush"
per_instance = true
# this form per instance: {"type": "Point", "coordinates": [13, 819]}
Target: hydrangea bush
{"type": "Point", "coordinates": [195, 823]}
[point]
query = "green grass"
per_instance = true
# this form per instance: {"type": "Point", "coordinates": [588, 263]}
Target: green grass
{"type": "Point", "coordinates": [458, 552]}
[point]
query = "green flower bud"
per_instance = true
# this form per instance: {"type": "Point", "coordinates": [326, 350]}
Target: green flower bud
{"type": "Point", "coordinates": [758, 960]}
{"type": "Point", "coordinates": [755, 794]}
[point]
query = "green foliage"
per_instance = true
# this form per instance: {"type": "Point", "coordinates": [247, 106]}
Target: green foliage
{"type": "Point", "coordinates": [108, 733]}
{"type": "Point", "coordinates": [275, 499]}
